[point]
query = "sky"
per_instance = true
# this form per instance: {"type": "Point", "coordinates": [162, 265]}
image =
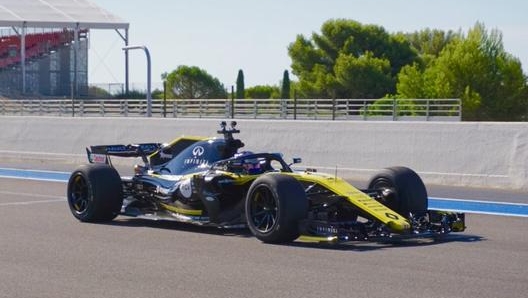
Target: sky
{"type": "Point", "coordinates": [223, 36]}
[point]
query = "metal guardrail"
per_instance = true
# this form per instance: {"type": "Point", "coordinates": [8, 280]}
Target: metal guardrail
{"type": "Point", "coordinates": [302, 109]}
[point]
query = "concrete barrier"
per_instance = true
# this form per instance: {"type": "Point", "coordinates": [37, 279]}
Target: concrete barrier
{"type": "Point", "coordinates": [464, 154]}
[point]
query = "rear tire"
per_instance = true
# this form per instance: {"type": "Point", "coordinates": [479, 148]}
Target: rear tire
{"type": "Point", "coordinates": [274, 205]}
{"type": "Point", "coordinates": [404, 190]}
{"type": "Point", "coordinates": [95, 193]}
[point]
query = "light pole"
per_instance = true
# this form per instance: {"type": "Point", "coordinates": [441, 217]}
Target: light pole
{"type": "Point", "coordinates": [149, 95]}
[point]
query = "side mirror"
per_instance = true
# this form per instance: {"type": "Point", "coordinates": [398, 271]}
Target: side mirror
{"type": "Point", "coordinates": [297, 160]}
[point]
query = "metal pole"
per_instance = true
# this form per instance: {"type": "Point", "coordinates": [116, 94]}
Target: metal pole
{"type": "Point", "coordinates": [232, 102]}
{"type": "Point", "coordinates": [295, 104]}
{"type": "Point", "coordinates": [149, 95]}
{"type": "Point", "coordinates": [394, 110]}
{"type": "Point", "coordinates": [23, 57]}
{"type": "Point", "coordinates": [126, 64]}
{"type": "Point", "coordinates": [72, 102]}
{"type": "Point", "coordinates": [333, 108]}
{"type": "Point", "coordinates": [164, 99]}
{"type": "Point", "coordinates": [75, 58]}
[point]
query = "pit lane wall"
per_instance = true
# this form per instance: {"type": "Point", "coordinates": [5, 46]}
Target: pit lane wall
{"type": "Point", "coordinates": [472, 154]}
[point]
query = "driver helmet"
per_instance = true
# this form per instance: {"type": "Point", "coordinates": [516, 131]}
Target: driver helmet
{"type": "Point", "coordinates": [252, 166]}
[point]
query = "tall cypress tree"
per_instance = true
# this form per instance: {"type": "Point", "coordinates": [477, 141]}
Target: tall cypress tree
{"type": "Point", "coordinates": [285, 90]}
{"type": "Point", "coordinates": [240, 85]}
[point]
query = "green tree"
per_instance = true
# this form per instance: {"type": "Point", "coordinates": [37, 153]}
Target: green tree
{"type": "Point", "coordinates": [475, 69]}
{"type": "Point", "coordinates": [285, 86]}
{"type": "Point", "coordinates": [429, 43]}
{"type": "Point", "coordinates": [365, 76]}
{"type": "Point", "coordinates": [263, 92]}
{"type": "Point", "coordinates": [98, 92]}
{"type": "Point", "coordinates": [157, 94]}
{"type": "Point", "coordinates": [384, 107]}
{"type": "Point", "coordinates": [132, 94]}
{"type": "Point", "coordinates": [191, 82]}
{"type": "Point", "coordinates": [240, 89]}
{"type": "Point", "coordinates": [327, 63]}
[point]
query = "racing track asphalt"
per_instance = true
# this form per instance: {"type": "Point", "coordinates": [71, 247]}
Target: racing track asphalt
{"type": "Point", "coordinates": [45, 252]}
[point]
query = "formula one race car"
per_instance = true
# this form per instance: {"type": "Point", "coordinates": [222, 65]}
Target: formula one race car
{"type": "Point", "coordinates": [207, 181]}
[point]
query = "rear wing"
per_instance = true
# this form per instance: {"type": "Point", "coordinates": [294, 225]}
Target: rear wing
{"type": "Point", "coordinates": [102, 153]}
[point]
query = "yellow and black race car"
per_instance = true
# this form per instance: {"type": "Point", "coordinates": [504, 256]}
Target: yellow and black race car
{"type": "Point", "coordinates": [210, 182]}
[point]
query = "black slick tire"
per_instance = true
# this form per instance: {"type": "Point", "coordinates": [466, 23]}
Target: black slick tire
{"type": "Point", "coordinates": [274, 205]}
{"type": "Point", "coordinates": [404, 190]}
{"type": "Point", "coordinates": [95, 193]}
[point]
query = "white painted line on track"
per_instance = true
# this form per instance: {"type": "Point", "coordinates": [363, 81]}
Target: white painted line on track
{"type": "Point", "coordinates": [40, 153]}
{"type": "Point", "coordinates": [46, 198]}
{"type": "Point", "coordinates": [28, 194]}
{"type": "Point", "coordinates": [31, 202]}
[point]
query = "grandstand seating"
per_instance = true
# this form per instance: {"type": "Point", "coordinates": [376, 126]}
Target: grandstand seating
{"type": "Point", "coordinates": [36, 44]}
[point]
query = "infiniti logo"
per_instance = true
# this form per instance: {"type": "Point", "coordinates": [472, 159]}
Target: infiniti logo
{"type": "Point", "coordinates": [198, 151]}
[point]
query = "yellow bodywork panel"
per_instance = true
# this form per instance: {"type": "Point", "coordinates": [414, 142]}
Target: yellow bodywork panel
{"type": "Point", "coordinates": [192, 138]}
{"type": "Point", "coordinates": [190, 212]}
{"type": "Point", "coordinates": [318, 239]}
{"type": "Point", "coordinates": [393, 220]}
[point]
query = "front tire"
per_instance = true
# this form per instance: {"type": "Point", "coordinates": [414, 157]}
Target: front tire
{"type": "Point", "coordinates": [95, 193]}
{"type": "Point", "coordinates": [274, 205]}
{"type": "Point", "coordinates": [403, 190]}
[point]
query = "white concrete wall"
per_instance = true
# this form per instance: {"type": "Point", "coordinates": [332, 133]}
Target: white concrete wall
{"type": "Point", "coordinates": [466, 154]}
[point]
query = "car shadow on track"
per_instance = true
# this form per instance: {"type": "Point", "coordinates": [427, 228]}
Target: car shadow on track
{"type": "Point", "coordinates": [245, 233]}
{"type": "Point", "coordinates": [180, 226]}
{"type": "Point", "coordinates": [390, 243]}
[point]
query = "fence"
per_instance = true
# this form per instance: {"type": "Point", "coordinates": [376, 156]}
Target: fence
{"type": "Point", "coordinates": [306, 109]}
